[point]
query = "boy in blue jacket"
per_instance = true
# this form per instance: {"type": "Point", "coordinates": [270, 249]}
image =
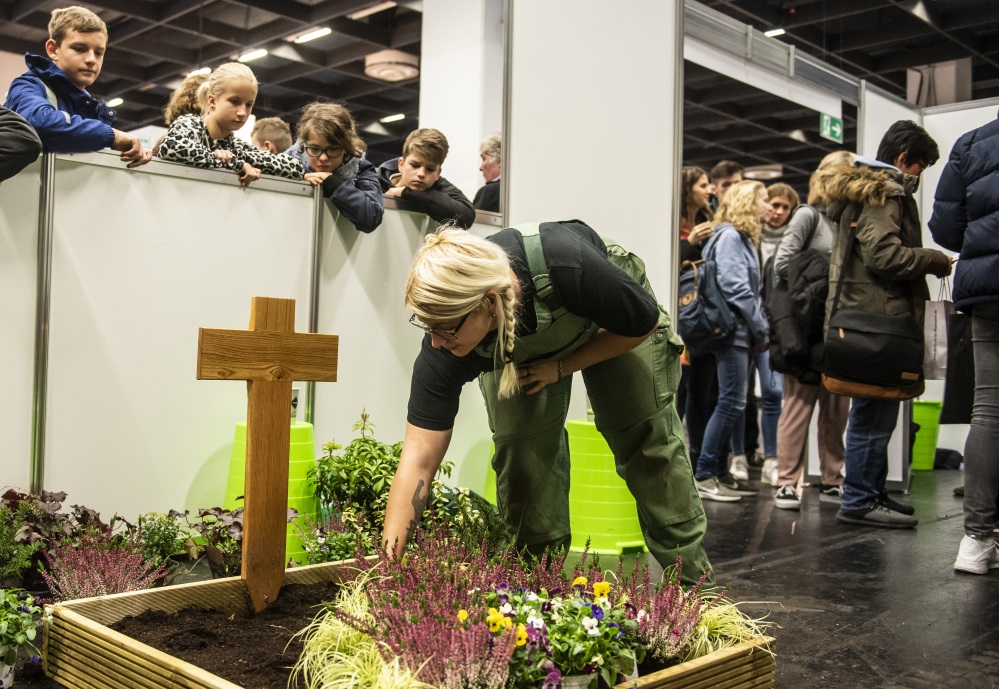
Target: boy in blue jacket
{"type": "Point", "coordinates": [52, 95]}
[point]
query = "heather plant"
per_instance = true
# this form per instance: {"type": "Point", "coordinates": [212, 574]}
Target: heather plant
{"type": "Point", "coordinates": [670, 616]}
{"type": "Point", "coordinates": [19, 621]}
{"type": "Point", "coordinates": [91, 568]}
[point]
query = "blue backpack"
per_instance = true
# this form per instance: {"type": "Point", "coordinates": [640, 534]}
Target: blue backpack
{"type": "Point", "coordinates": [705, 320]}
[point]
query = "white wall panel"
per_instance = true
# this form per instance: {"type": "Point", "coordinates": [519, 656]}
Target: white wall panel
{"type": "Point", "coordinates": [140, 261]}
{"type": "Point", "coordinates": [18, 249]}
{"type": "Point", "coordinates": [878, 111]}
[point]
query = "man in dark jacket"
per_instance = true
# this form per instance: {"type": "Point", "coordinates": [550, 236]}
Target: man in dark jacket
{"type": "Point", "coordinates": [19, 145]}
{"type": "Point", "coordinates": [966, 219]}
{"type": "Point", "coordinates": [885, 273]}
{"type": "Point", "coordinates": [416, 179]}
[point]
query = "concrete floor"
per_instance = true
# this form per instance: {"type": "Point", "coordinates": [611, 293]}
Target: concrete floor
{"type": "Point", "coordinates": [859, 606]}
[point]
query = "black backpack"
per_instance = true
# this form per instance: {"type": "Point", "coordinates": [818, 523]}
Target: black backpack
{"type": "Point", "coordinates": [705, 320]}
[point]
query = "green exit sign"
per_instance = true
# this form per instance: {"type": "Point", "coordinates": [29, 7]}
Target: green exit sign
{"type": "Point", "coordinates": [831, 128]}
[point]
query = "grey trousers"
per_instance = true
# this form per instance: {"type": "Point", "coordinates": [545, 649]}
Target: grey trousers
{"type": "Point", "coordinates": [981, 462]}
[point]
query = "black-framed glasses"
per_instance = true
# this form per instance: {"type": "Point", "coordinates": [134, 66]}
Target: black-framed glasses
{"type": "Point", "coordinates": [450, 335]}
{"type": "Point", "coordinates": [331, 151]}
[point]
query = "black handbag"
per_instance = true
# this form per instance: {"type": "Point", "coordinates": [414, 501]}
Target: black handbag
{"type": "Point", "coordinates": [959, 390]}
{"type": "Point", "coordinates": [705, 320]}
{"type": "Point", "coordinates": [871, 355]}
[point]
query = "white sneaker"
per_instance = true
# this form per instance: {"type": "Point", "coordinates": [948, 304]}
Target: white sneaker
{"type": "Point", "coordinates": [739, 467]}
{"type": "Point", "coordinates": [976, 556]}
{"type": "Point", "coordinates": [787, 498]}
{"type": "Point", "coordinates": [769, 472]}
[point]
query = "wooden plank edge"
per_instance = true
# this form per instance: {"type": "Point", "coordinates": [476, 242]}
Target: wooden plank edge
{"type": "Point", "coordinates": [707, 664]}
{"type": "Point", "coordinates": [716, 677]}
{"type": "Point", "coordinates": [181, 667]}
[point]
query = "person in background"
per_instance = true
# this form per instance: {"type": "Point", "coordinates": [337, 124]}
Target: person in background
{"type": "Point", "coordinates": [19, 145]}
{"type": "Point", "coordinates": [885, 274]}
{"type": "Point", "coordinates": [724, 174]}
{"type": "Point", "coordinates": [966, 219]}
{"type": "Point", "coordinates": [332, 154]}
{"type": "Point", "coordinates": [484, 318]}
{"type": "Point", "coordinates": [809, 230]}
{"type": "Point", "coordinates": [487, 198]}
{"type": "Point", "coordinates": [271, 134]}
{"type": "Point", "coordinates": [733, 247]}
{"type": "Point", "coordinates": [698, 389]}
{"type": "Point", "coordinates": [783, 200]}
{"type": "Point", "coordinates": [208, 141]}
{"type": "Point", "coordinates": [416, 179]}
{"type": "Point", "coordinates": [184, 100]}
{"type": "Point", "coordinates": [52, 95]}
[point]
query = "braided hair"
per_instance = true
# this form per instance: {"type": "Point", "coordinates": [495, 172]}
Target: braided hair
{"type": "Point", "coordinates": [450, 277]}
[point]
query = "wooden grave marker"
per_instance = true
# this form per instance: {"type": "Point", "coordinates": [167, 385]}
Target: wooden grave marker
{"type": "Point", "coordinates": [269, 356]}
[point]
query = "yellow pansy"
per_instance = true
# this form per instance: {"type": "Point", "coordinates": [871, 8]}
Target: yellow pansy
{"type": "Point", "coordinates": [601, 589]}
{"type": "Point", "coordinates": [462, 615]}
{"type": "Point", "coordinates": [579, 581]}
{"type": "Point", "coordinates": [521, 635]}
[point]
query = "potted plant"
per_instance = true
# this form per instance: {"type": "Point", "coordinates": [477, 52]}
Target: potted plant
{"type": "Point", "coordinates": [15, 551]}
{"type": "Point", "coordinates": [19, 620]}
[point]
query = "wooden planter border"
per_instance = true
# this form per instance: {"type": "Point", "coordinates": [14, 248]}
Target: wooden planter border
{"type": "Point", "coordinates": [81, 651]}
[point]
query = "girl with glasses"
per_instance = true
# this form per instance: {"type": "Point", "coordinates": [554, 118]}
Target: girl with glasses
{"type": "Point", "coordinates": [522, 311]}
{"type": "Point", "coordinates": [333, 156]}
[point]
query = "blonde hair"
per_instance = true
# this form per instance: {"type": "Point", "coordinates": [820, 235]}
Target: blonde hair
{"type": "Point", "coordinates": [429, 143]}
{"type": "Point", "coordinates": [492, 147]}
{"type": "Point", "coordinates": [76, 19]}
{"type": "Point", "coordinates": [450, 277]}
{"type": "Point", "coordinates": [184, 101]}
{"type": "Point", "coordinates": [817, 192]}
{"type": "Point", "coordinates": [272, 129]}
{"type": "Point", "coordinates": [332, 122]}
{"type": "Point", "coordinates": [738, 208]}
{"type": "Point", "coordinates": [219, 79]}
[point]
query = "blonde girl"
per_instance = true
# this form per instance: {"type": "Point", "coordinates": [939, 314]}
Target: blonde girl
{"type": "Point", "coordinates": [208, 141]}
{"type": "Point", "coordinates": [733, 247]}
{"type": "Point", "coordinates": [522, 311]}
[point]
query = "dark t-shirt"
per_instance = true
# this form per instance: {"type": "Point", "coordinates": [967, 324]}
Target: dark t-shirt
{"type": "Point", "coordinates": [586, 283]}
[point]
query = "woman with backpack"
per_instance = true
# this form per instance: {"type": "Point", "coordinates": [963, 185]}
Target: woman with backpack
{"type": "Point", "coordinates": [734, 248]}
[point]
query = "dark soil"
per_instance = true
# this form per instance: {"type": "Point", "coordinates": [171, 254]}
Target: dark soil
{"type": "Point", "coordinates": [250, 652]}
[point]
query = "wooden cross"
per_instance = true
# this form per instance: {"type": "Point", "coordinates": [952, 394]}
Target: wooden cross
{"type": "Point", "coordinates": [269, 356]}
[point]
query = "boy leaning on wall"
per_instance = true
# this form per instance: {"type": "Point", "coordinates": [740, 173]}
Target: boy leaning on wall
{"type": "Point", "coordinates": [416, 179]}
{"type": "Point", "coordinates": [52, 95]}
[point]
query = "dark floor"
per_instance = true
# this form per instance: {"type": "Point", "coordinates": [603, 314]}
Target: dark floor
{"type": "Point", "coordinates": [858, 607]}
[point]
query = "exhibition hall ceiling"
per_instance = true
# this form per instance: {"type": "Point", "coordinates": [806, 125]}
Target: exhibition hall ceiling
{"type": "Point", "coordinates": [155, 42]}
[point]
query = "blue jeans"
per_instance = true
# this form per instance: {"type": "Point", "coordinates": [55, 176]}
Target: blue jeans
{"type": "Point", "coordinates": [772, 395]}
{"type": "Point", "coordinates": [733, 375]}
{"type": "Point", "coordinates": [871, 425]}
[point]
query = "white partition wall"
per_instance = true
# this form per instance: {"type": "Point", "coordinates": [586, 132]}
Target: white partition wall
{"type": "Point", "coordinates": [878, 111]}
{"type": "Point", "coordinates": [362, 282]}
{"type": "Point", "coordinates": [19, 198]}
{"type": "Point", "coordinates": [141, 260]}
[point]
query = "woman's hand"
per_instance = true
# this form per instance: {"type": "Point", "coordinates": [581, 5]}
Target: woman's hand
{"type": "Point", "coordinates": [700, 233]}
{"type": "Point", "coordinates": [535, 377]}
{"type": "Point", "coordinates": [316, 178]}
{"type": "Point", "coordinates": [224, 155]}
{"type": "Point", "coordinates": [250, 174]}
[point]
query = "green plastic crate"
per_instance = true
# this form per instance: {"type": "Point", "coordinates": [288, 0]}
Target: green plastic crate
{"type": "Point", "coordinates": [924, 450]}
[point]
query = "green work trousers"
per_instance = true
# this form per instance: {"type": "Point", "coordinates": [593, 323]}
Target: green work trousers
{"type": "Point", "coordinates": [632, 397]}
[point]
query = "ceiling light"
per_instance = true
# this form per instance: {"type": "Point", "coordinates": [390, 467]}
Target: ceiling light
{"type": "Point", "coordinates": [252, 55]}
{"type": "Point", "coordinates": [797, 135]}
{"type": "Point", "coordinates": [201, 70]}
{"type": "Point", "coordinates": [313, 35]}
{"type": "Point", "coordinates": [774, 33]}
{"type": "Point", "coordinates": [392, 118]}
{"type": "Point", "coordinates": [377, 129]}
{"type": "Point", "coordinates": [391, 65]}
{"type": "Point", "coordinates": [374, 9]}
{"type": "Point", "coordinates": [114, 102]}
{"type": "Point", "coordinates": [764, 172]}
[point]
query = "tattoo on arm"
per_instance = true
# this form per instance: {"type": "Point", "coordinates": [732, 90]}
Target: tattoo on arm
{"type": "Point", "coordinates": [418, 504]}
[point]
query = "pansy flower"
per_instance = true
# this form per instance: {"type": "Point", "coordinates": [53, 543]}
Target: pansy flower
{"type": "Point", "coordinates": [601, 589]}
{"type": "Point", "coordinates": [597, 611]}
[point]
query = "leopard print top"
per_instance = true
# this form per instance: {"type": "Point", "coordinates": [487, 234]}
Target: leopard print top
{"type": "Point", "coordinates": [187, 141]}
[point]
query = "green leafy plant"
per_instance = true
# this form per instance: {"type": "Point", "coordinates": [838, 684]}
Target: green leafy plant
{"type": "Point", "coordinates": [160, 536]}
{"type": "Point", "coordinates": [15, 554]}
{"type": "Point", "coordinates": [337, 536]}
{"type": "Point", "coordinates": [19, 620]}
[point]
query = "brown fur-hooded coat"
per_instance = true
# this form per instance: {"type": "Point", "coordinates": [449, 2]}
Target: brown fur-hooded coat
{"type": "Point", "coordinates": [888, 267]}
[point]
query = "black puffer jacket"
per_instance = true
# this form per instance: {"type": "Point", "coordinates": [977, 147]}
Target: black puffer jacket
{"type": "Point", "coordinates": [796, 310]}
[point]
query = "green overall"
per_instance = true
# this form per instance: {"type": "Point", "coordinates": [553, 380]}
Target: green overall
{"type": "Point", "coordinates": [632, 396]}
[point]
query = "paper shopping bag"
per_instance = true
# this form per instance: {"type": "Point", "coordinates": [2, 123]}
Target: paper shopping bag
{"type": "Point", "coordinates": [935, 334]}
